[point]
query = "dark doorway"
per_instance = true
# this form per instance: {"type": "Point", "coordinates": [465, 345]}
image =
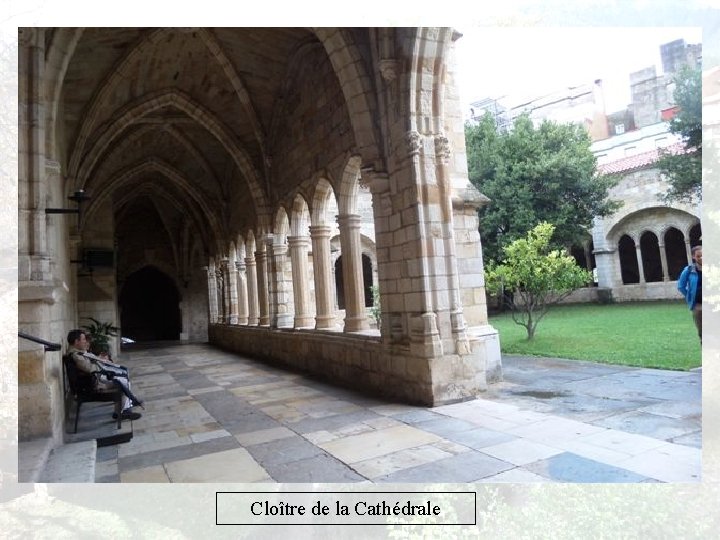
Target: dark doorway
{"type": "Point", "coordinates": [628, 260]}
{"type": "Point", "coordinates": [650, 251]}
{"type": "Point", "coordinates": [675, 252]}
{"type": "Point", "coordinates": [339, 283]}
{"type": "Point", "coordinates": [695, 235]}
{"type": "Point", "coordinates": [149, 304]}
{"type": "Point", "coordinates": [367, 280]}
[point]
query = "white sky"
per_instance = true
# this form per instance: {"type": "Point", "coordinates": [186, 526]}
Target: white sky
{"type": "Point", "coordinates": [531, 62]}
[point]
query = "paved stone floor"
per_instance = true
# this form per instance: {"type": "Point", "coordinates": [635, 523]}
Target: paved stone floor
{"type": "Point", "coordinates": [213, 416]}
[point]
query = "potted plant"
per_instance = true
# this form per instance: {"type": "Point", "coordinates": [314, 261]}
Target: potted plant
{"type": "Point", "coordinates": [99, 334]}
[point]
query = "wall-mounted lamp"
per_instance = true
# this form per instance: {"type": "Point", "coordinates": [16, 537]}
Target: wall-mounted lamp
{"type": "Point", "coordinates": [78, 198]}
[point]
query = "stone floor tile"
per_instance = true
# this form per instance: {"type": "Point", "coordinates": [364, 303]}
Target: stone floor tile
{"type": "Point", "coordinates": [652, 425]}
{"type": "Point", "coordinates": [207, 435]}
{"type": "Point", "coordinates": [403, 459]}
{"type": "Point", "coordinates": [554, 428]}
{"type": "Point", "coordinates": [229, 466]}
{"type": "Point", "coordinates": [285, 450]}
{"type": "Point", "coordinates": [515, 476]}
{"type": "Point", "coordinates": [264, 435]}
{"type": "Point", "coordinates": [568, 467]}
{"type": "Point", "coordinates": [321, 436]}
{"type": "Point", "coordinates": [377, 443]}
{"type": "Point", "coordinates": [197, 391]}
{"type": "Point", "coordinates": [670, 463]}
{"type": "Point", "coordinates": [421, 415]}
{"type": "Point", "coordinates": [480, 438]}
{"type": "Point", "coordinates": [322, 468]}
{"type": "Point", "coordinates": [621, 441]}
{"type": "Point", "coordinates": [593, 451]}
{"type": "Point", "coordinates": [149, 475]}
{"type": "Point", "coordinates": [521, 451]}
{"type": "Point", "coordinates": [463, 468]}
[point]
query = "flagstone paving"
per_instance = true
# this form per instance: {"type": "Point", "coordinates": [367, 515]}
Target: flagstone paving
{"type": "Point", "coordinates": [213, 416]}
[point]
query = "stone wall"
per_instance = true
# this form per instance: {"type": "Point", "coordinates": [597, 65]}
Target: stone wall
{"type": "Point", "coordinates": [362, 362]}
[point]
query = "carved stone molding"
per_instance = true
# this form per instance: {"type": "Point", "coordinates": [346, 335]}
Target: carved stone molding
{"type": "Point", "coordinates": [388, 69]}
{"type": "Point", "coordinates": [442, 148]}
{"type": "Point", "coordinates": [414, 143]}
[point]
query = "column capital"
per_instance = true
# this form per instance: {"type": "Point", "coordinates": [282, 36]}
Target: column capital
{"type": "Point", "coordinates": [320, 231]}
{"type": "Point", "coordinates": [250, 261]}
{"type": "Point", "coordinates": [442, 148]}
{"type": "Point", "coordinates": [298, 241]}
{"type": "Point", "coordinates": [351, 221]}
{"type": "Point", "coordinates": [240, 266]}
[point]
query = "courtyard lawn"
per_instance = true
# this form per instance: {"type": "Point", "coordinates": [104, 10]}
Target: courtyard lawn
{"type": "Point", "coordinates": [646, 334]}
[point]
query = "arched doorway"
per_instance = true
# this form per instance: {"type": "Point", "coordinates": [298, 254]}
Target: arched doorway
{"type": "Point", "coordinates": [675, 252]}
{"type": "Point", "coordinates": [149, 306]}
{"type": "Point", "coordinates": [628, 260]}
{"type": "Point", "coordinates": [650, 250]}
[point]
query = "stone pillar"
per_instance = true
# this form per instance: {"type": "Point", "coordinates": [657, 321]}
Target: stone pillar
{"type": "Point", "coordinates": [641, 270]}
{"type": "Point", "coordinates": [299, 260]}
{"type": "Point", "coordinates": [262, 284]}
{"type": "Point", "coordinates": [325, 316]}
{"type": "Point", "coordinates": [231, 292]}
{"type": "Point", "coordinates": [282, 313]}
{"type": "Point", "coordinates": [688, 249]}
{"type": "Point", "coordinates": [252, 292]}
{"type": "Point", "coordinates": [220, 292]}
{"type": "Point", "coordinates": [242, 293]}
{"type": "Point", "coordinates": [212, 294]}
{"type": "Point", "coordinates": [355, 316]}
{"type": "Point", "coordinates": [663, 262]}
{"type": "Point", "coordinates": [457, 319]}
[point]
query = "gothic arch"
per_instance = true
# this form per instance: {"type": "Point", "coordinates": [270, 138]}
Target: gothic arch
{"type": "Point", "coordinates": [174, 176]}
{"type": "Point", "coordinates": [176, 99]}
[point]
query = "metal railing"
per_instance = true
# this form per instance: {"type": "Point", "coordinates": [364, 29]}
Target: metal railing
{"type": "Point", "coordinates": [49, 346]}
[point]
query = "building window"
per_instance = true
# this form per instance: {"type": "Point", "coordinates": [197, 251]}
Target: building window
{"type": "Point", "coordinates": [619, 129]}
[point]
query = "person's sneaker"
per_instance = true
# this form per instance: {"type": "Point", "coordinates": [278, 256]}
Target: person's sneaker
{"type": "Point", "coordinates": [127, 415]}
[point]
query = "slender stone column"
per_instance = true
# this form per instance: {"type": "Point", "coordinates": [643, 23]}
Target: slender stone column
{"type": "Point", "coordinates": [282, 315]}
{"type": "Point", "coordinates": [663, 262]}
{"type": "Point", "coordinates": [252, 281]}
{"type": "Point", "coordinates": [231, 293]}
{"type": "Point", "coordinates": [222, 304]}
{"type": "Point", "coordinates": [299, 260]}
{"type": "Point", "coordinates": [262, 284]}
{"type": "Point", "coordinates": [641, 270]}
{"type": "Point", "coordinates": [242, 293]}
{"type": "Point", "coordinates": [688, 249]}
{"type": "Point", "coordinates": [212, 294]}
{"type": "Point", "coordinates": [355, 316]}
{"type": "Point", "coordinates": [324, 316]}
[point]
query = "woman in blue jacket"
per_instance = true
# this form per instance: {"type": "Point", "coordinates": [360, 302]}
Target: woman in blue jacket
{"type": "Point", "coordinates": [690, 285]}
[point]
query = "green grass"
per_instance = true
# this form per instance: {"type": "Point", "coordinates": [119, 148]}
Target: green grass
{"type": "Point", "coordinates": [646, 334]}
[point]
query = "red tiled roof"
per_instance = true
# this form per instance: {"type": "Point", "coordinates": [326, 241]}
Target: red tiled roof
{"type": "Point", "coordinates": [637, 161]}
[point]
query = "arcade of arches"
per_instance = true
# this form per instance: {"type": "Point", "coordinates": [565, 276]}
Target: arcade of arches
{"type": "Point", "coordinates": [225, 171]}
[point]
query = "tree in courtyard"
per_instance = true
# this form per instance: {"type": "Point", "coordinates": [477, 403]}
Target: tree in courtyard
{"type": "Point", "coordinates": [683, 170]}
{"type": "Point", "coordinates": [538, 275]}
{"type": "Point", "coordinates": [533, 174]}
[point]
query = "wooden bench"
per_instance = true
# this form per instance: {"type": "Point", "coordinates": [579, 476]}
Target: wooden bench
{"type": "Point", "coordinates": [82, 388]}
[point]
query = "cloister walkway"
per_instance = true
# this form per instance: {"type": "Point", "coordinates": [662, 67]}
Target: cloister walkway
{"type": "Point", "coordinates": [213, 416]}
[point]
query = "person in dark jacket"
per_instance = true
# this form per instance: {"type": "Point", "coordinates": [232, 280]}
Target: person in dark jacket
{"type": "Point", "coordinates": [106, 378]}
{"type": "Point", "coordinates": [690, 285]}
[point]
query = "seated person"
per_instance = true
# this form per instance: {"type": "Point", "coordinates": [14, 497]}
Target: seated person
{"type": "Point", "coordinates": [107, 377]}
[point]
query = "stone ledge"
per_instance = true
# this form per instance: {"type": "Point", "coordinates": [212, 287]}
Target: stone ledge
{"type": "Point", "coordinates": [73, 462]}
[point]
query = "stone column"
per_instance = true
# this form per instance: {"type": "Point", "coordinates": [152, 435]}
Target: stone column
{"type": "Point", "coordinates": [231, 292]}
{"type": "Point", "coordinates": [282, 315]}
{"type": "Point", "coordinates": [262, 284]}
{"type": "Point", "coordinates": [688, 249]}
{"type": "Point", "coordinates": [355, 316]}
{"type": "Point", "coordinates": [299, 260]}
{"type": "Point", "coordinates": [320, 237]}
{"type": "Point", "coordinates": [663, 262]}
{"type": "Point", "coordinates": [457, 319]}
{"type": "Point", "coordinates": [252, 281]}
{"type": "Point", "coordinates": [220, 292]}
{"type": "Point", "coordinates": [242, 293]}
{"type": "Point", "coordinates": [212, 294]}
{"type": "Point", "coordinates": [641, 270]}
